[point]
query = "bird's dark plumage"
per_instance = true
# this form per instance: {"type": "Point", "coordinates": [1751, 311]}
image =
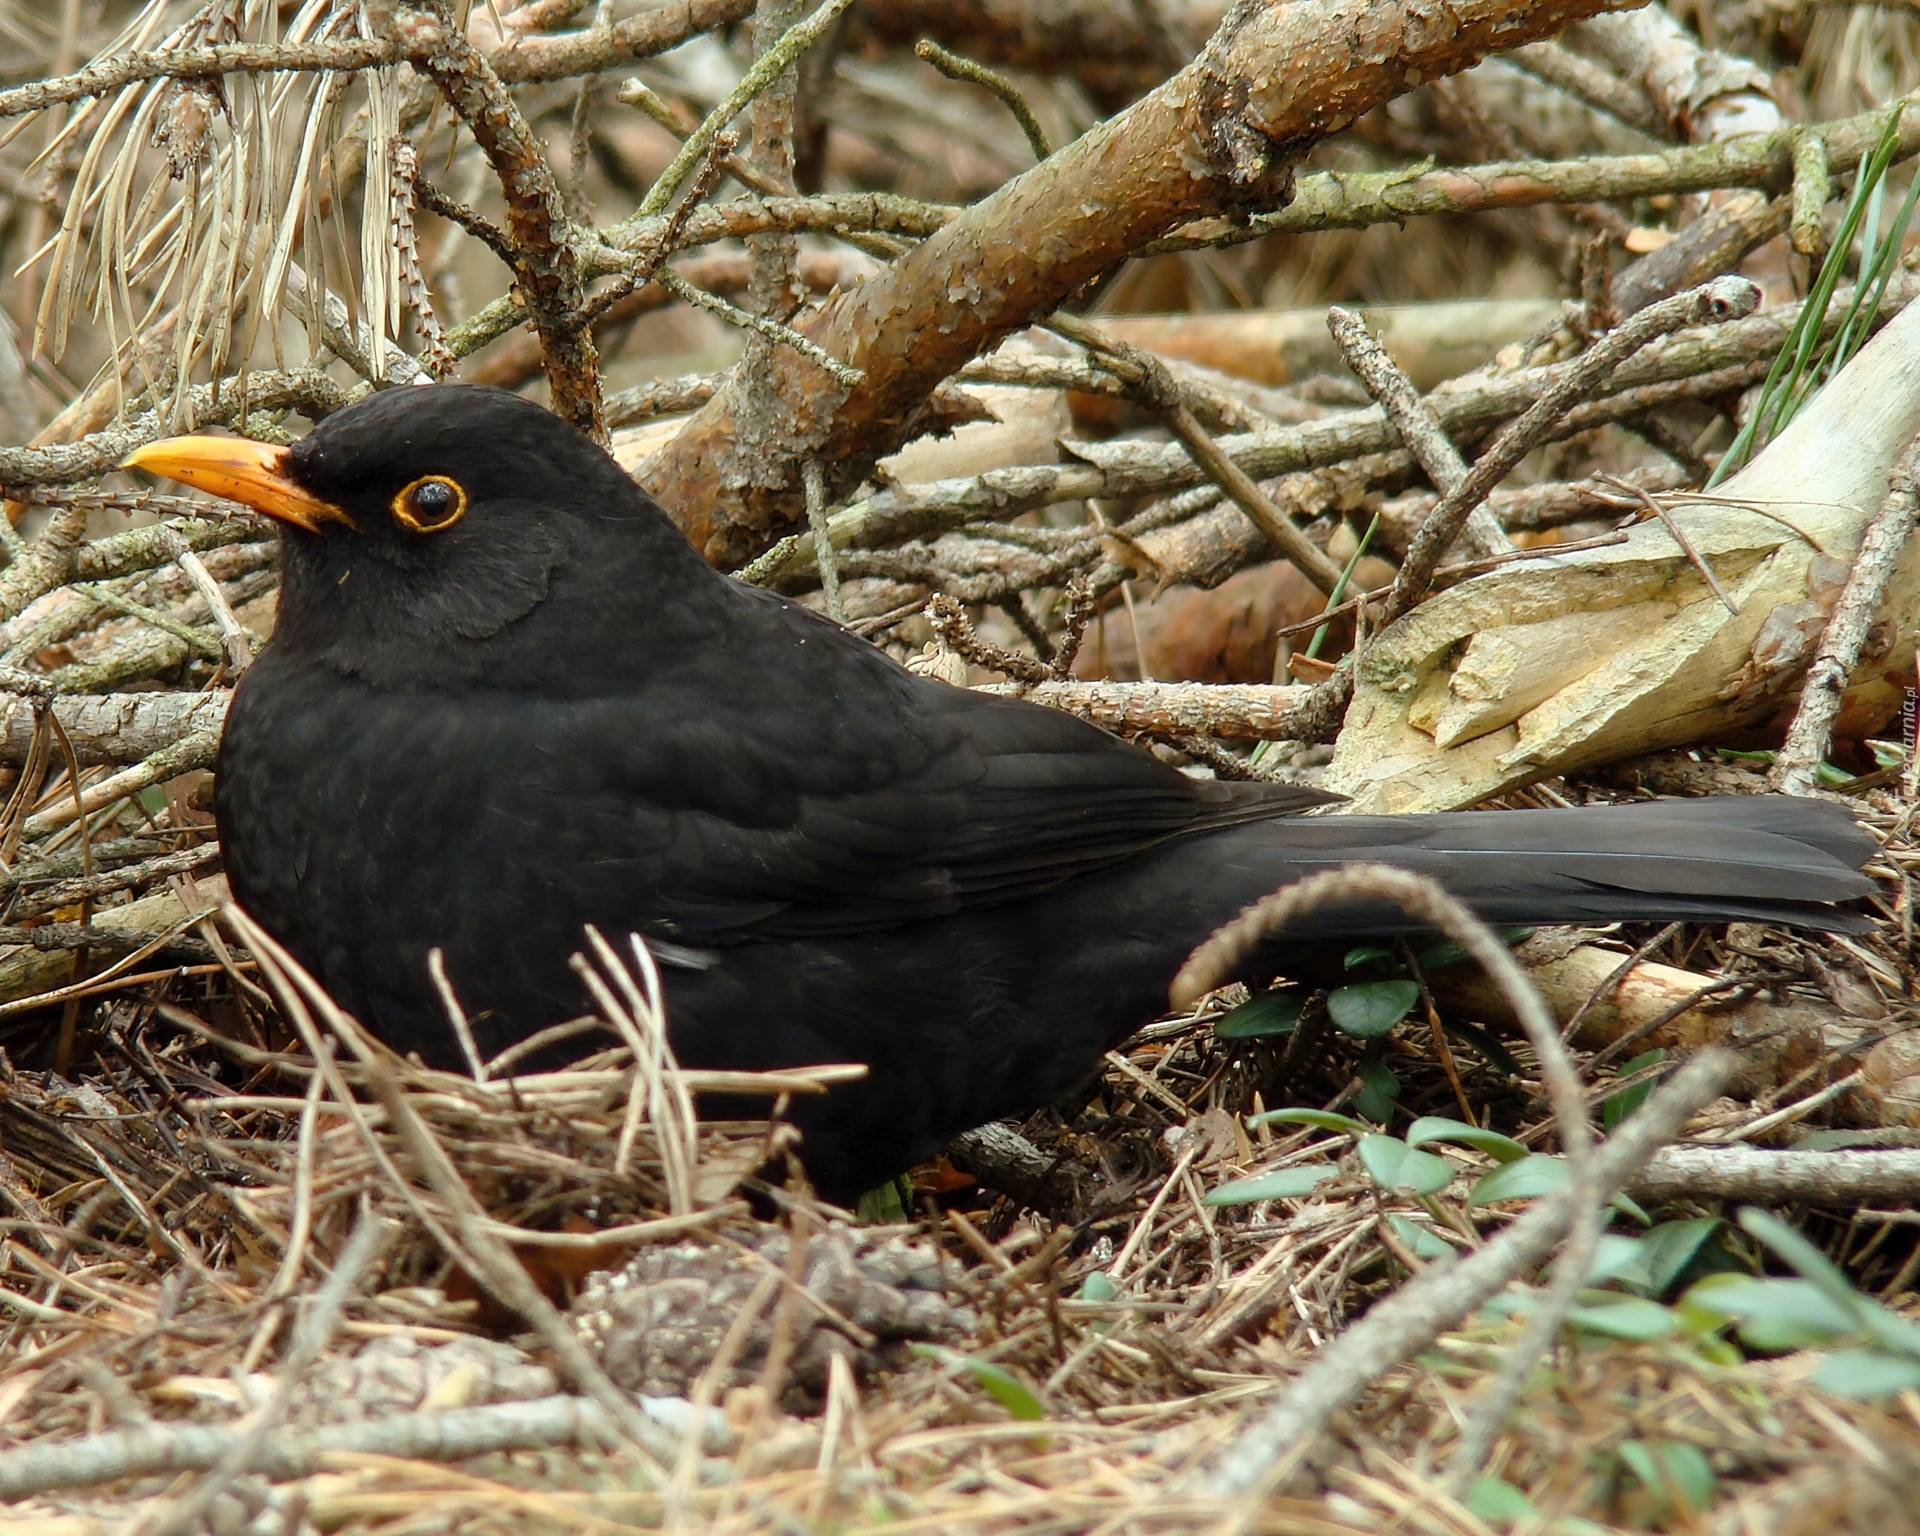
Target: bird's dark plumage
{"type": "Point", "coordinates": [505, 698]}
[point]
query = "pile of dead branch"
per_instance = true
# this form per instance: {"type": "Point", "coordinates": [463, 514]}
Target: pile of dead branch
{"type": "Point", "coordinates": [1000, 333]}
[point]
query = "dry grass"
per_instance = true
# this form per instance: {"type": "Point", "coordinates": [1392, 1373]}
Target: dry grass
{"type": "Point", "coordinates": [177, 1200]}
{"type": "Point", "coordinates": [178, 1179]}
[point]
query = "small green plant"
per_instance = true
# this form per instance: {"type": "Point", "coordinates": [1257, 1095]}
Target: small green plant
{"type": "Point", "coordinates": [1367, 1010]}
{"type": "Point", "coordinates": [1827, 775]}
{"type": "Point", "coordinates": [1872, 1352]}
{"type": "Point", "coordinates": [1534, 1175]}
{"type": "Point", "coordinates": [1270, 1015]}
{"type": "Point", "coordinates": [1672, 1481]}
{"type": "Point", "coordinates": [1617, 1107]}
{"type": "Point", "coordinates": [1098, 1286]}
{"type": "Point", "coordinates": [1006, 1389]}
{"type": "Point", "coordinates": [885, 1205]}
{"type": "Point", "coordinates": [1396, 1165]}
{"type": "Point", "coordinates": [1803, 362]}
{"type": "Point", "coordinates": [1280, 1184]}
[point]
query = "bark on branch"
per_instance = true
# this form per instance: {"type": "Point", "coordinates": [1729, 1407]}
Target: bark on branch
{"type": "Point", "coordinates": [1218, 138]}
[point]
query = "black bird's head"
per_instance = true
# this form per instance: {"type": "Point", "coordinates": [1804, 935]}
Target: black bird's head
{"type": "Point", "coordinates": [424, 530]}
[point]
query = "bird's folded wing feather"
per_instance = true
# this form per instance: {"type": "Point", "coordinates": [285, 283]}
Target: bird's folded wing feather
{"type": "Point", "coordinates": [771, 817]}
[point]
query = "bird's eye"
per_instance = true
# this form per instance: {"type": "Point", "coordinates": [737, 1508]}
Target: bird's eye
{"type": "Point", "coordinates": [429, 504]}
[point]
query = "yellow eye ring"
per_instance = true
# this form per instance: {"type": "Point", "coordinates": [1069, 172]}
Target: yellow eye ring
{"type": "Point", "coordinates": [430, 504]}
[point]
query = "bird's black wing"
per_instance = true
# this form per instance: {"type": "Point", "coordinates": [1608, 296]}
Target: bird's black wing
{"type": "Point", "coordinates": [795, 781]}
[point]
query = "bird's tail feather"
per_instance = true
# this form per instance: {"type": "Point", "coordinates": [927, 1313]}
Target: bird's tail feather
{"type": "Point", "coordinates": [1771, 858]}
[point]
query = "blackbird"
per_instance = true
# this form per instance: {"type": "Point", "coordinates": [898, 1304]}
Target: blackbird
{"type": "Point", "coordinates": [504, 698]}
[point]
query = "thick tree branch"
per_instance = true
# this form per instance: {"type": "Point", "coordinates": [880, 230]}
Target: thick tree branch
{"type": "Point", "coordinates": [1219, 138]}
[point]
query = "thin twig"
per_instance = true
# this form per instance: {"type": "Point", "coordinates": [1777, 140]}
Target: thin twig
{"type": "Point", "coordinates": [546, 266]}
{"type": "Point", "coordinates": [1162, 392]}
{"type": "Point", "coordinates": [1839, 1180]}
{"type": "Point", "coordinates": [1658, 508]}
{"type": "Point", "coordinates": [1414, 420]}
{"type": "Point", "coordinates": [234, 639]}
{"type": "Point", "coordinates": [786, 335]}
{"type": "Point", "coordinates": [456, 1015]}
{"type": "Point", "coordinates": [341, 55]}
{"type": "Point", "coordinates": [1812, 188]}
{"type": "Point", "coordinates": [1846, 633]}
{"type": "Point", "coordinates": [771, 64]}
{"type": "Point", "coordinates": [1725, 298]}
{"type": "Point", "coordinates": [954, 67]}
{"type": "Point", "coordinates": [813, 476]}
{"type": "Point", "coordinates": [955, 630]}
{"type": "Point", "coordinates": [439, 1435]}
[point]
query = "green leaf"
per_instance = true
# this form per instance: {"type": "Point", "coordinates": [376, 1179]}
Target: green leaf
{"type": "Point", "coordinates": [1001, 1385]}
{"type": "Point", "coordinates": [881, 1206]}
{"type": "Point", "coordinates": [1271, 1013]}
{"type": "Point", "coordinates": [1758, 759]}
{"type": "Point", "coordinates": [1800, 1255]}
{"type": "Point", "coordinates": [1423, 1241]}
{"type": "Point", "coordinates": [1677, 1473]}
{"type": "Point", "coordinates": [1886, 754]}
{"type": "Point", "coordinates": [1323, 1119]}
{"type": "Point", "coordinates": [1525, 1178]}
{"type": "Point", "coordinates": [1536, 1174]}
{"type": "Point", "coordinates": [1502, 1149]}
{"type": "Point", "coordinates": [153, 799]}
{"type": "Point", "coordinates": [1498, 1502]}
{"type": "Point", "coordinates": [1830, 775]}
{"type": "Point", "coordinates": [1378, 1089]}
{"type": "Point", "coordinates": [1866, 1374]}
{"type": "Point", "coordinates": [1340, 586]}
{"type": "Point", "coordinates": [1280, 1184]}
{"type": "Point", "coordinates": [1670, 1247]}
{"type": "Point", "coordinates": [1888, 1328]}
{"type": "Point", "coordinates": [1366, 954]}
{"type": "Point", "coordinates": [1438, 956]}
{"type": "Point", "coordinates": [1618, 1106]}
{"type": "Point", "coordinates": [1394, 1165]}
{"type": "Point", "coordinates": [1098, 1286]}
{"type": "Point", "coordinates": [1622, 1261]}
{"type": "Point", "coordinates": [1444, 952]}
{"type": "Point", "coordinates": [1626, 1317]}
{"type": "Point", "coordinates": [1628, 1206]}
{"type": "Point", "coordinates": [1503, 1305]}
{"type": "Point", "coordinates": [1367, 1009]}
{"type": "Point", "coordinates": [1488, 1046]}
{"type": "Point", "coordinates": [1892, 1331]}
{"type": "Point", "coordinates": [1775, 1316]}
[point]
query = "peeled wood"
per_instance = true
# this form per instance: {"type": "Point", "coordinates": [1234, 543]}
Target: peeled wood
{"type": "Point", "coordinates": [1681, 668]}
{"type": "Point", "coordinates": [1432, 342]}
{"type": "Point", "coordinates": [1888, 1092]}
{"type": "Point", "coordinates": [1774, 1039]}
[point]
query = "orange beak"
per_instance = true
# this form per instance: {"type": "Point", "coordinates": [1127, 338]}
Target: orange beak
{"type": "Point", "coordinates": [254, 474]}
